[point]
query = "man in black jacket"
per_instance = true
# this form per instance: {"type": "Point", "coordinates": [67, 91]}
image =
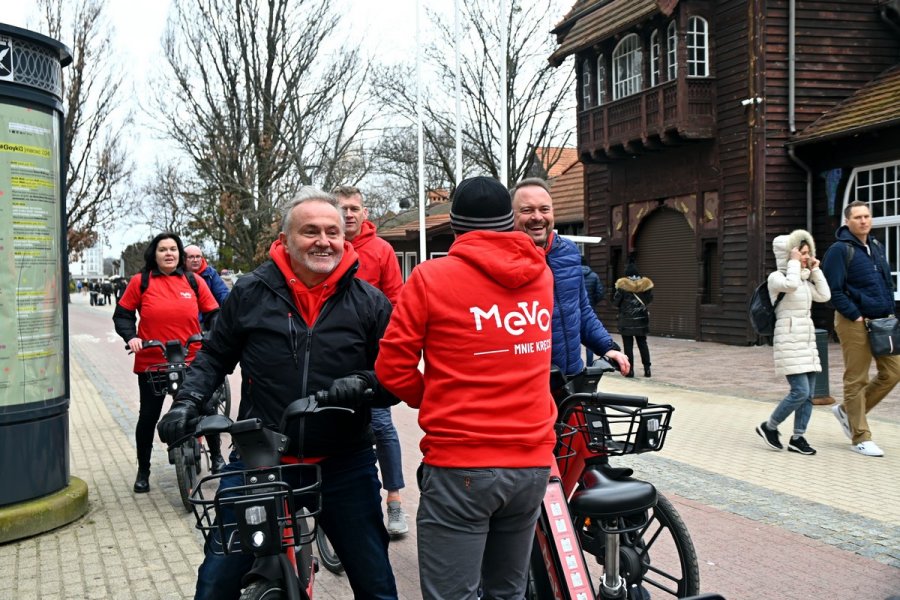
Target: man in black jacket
{"type": "Point", "coordinates": [267, 327]}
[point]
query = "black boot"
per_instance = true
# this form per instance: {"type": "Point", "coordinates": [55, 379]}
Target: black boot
{"type": "Point", "coordinates": [142, 482]}
{"type": "Point", "coordinates": [216, 462]}
{"type": "Point", "coordinates": [647, 371]}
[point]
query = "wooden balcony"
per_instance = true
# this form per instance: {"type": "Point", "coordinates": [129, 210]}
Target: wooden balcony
{"type": "Point", "coordinates": [665, 115]}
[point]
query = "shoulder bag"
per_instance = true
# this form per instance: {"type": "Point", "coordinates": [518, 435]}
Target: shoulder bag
{"type": "Point", "coordinates": [884, 335]}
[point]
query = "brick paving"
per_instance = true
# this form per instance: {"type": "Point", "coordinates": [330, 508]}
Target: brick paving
{"type": "Point", "coordinates": [765, 524]}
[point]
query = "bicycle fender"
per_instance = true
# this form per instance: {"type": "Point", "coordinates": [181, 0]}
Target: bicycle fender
{"type": "Point", "coordinates": [274, 568]}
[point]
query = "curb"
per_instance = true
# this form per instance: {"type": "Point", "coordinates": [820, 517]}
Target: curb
{"type": "Point", "coordinates": [40, 515]}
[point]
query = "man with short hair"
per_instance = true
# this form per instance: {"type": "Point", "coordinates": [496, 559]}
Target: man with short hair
{"type": "Point", "coordinates": [378, 265]}
{"type": "Point", "coordinates": [484, 400]}
{"type": "Point", "coordinates": [574, 320]}
{"type": "Point", "coordinates": [862, 288]}
{"type": "Point", "coordinates": [196, 263]}
{"type": "Point", "coordinates": [298, 324]}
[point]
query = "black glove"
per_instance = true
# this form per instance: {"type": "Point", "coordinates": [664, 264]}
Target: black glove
{"type": "Point", "coordinates": [175, 423]}
{"type": "Point", "coordinates": [347, 391]}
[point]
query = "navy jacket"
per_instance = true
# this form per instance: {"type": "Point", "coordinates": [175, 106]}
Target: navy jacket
{"type": "Point", "coordinates": [215, 284]}
{"type": "Point", "coordinates": [865, 288]}
{"type": "Point", "coordinates": [574, 319]}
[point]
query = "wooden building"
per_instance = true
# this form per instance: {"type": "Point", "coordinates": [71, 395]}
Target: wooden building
{"type": "Point", "coordinates": [706, 128]}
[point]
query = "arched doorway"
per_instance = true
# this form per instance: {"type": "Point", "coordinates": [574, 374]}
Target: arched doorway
{"type": "Point", "coordinates": [666, 253]}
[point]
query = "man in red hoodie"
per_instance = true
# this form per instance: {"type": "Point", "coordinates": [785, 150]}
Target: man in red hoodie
{"type": "Point", "coordinates": [300, 323]}
{"type": "Point", "coordinates": [481, 316]}
{"type": "Point", "coordinates": [378, 265]}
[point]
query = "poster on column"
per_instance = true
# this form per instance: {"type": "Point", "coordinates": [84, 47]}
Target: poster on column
{"type": "Point", "coordinates": [31, 273]}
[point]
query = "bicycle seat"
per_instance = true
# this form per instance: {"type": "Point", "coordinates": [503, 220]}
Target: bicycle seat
{"type": "Point", "coordinates": [604, 496]}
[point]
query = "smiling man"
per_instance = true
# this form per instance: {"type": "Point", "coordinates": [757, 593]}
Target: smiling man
{"type": "Point", "coordinates": [574, 320]}
{"type": "Point", "coordinates": [298, 324]}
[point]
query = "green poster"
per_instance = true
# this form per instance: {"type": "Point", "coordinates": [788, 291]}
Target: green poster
{"type": "Point", "coordinates": [31, 323]}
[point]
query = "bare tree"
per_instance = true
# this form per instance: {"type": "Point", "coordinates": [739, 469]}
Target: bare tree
{"type": "Point", "coordinates": [257, 107]}
{"type": "Point", "coordinates": [536, 109]}
{"type": "Point", "coordinates": [96, 165]}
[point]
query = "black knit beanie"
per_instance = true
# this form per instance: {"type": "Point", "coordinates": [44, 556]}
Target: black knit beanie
{"type": "Point", "coordinates": [481, 203]}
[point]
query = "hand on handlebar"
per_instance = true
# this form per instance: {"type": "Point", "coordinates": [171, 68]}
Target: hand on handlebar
{"type": "Point", "coordinates": [135, 345]}
{"type": "Point", "coordinates": [620, 359]}
{"type": "Point", "coordinates": [347, 392]}
{"type": "Point", "coordinates": [175, 423]}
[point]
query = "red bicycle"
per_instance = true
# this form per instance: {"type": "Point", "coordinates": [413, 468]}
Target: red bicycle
{"type": "Point", "coordinates": [594, 508]}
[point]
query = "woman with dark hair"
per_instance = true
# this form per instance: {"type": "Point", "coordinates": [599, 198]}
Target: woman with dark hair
{"type": "Point", "coordinates": [168, 304]}
{"type": "Point", "coordinates": [633, 294]}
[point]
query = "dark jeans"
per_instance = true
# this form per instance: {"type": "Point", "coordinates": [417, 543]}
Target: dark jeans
{"type": "Point", "coordinates": [628, 349]}
{"type": "Point", "coordinates": [148, 417]}
{"type": "Point", "coordinates": [351, 515]}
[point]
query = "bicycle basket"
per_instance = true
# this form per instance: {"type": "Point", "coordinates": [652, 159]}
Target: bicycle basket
{"type": "Point", "coordinates": [162, 376]}
{"type": "Point", "coordinates": [265, 502]}
{"type": "Point", "coordinates": [611, 430]}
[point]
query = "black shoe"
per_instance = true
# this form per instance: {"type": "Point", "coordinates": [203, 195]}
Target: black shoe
{"type": "Point", "coordinates": [798, 444]}
{"type": "Point", "coordinates": [646, 371]}
{"type": "Point", "coordinates": [630, 373]}
{"type": "Point", "coordinates": [142, 482]}
{"type": "Point", "coordinates": [217, 463]}
{"type": "Point", "coordinates": [769, 436]}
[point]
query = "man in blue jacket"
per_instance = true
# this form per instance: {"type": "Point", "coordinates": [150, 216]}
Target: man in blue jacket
{"type": "Point", "coordinates": [862, 287]}
{"type": "Point", "coordinates": [574, 320]}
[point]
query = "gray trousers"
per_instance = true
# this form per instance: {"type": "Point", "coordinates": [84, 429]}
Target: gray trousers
{"type": "Point", "coordinates": [476, 526]}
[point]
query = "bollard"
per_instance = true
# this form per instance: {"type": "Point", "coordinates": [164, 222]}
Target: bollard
{"type": "Point", "coordinates": [822, 395]}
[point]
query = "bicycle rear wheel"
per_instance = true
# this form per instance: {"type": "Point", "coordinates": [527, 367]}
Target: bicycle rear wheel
{"type": "Point", "coordinates": [659, 557]}
{"type": "Point", "coordinates": [186, 462]}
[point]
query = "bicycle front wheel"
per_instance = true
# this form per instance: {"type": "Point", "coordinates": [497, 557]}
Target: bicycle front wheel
{"type": "Point", "coordinates": [327, 554]}
{"type": "Point", "coordinates": [223, 398]}
{"type": "Point", "coordinates": [263, 589]}
{"type": "Point", "coordinates": [186, 459]}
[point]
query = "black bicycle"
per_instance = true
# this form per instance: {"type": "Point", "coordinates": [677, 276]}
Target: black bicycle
{"type": "Point", "coordinates": [167, 377]}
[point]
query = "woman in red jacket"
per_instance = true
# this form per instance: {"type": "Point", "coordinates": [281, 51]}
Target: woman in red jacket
{"type": "Point", "coordinates": [168, 307]}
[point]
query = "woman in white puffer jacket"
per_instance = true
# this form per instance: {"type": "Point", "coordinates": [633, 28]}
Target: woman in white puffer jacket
{"type": "Point", "coordinates": [796, 357]}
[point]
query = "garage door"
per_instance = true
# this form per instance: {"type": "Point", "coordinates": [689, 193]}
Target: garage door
{"type": "Point", "coordinates": [666, 254]}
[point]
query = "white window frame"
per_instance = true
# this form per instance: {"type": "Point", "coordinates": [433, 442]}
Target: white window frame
{"type": "Point", "coordinates": [601, 80]}
{"type": "Point", "coordinates": [410, 260]}
{"type": "Point", "coordinates": [436, 254]}
{"type": "Point", "coordinates": [626, 64]}
{"type": "Point", "coordinates": [586, 83]}
{"type": "Point", "coordinates": [671, 52]}
{"type": "Point", "coordinates": [697, 47]}
{"type": "Point", "coordinates": [654, 58]}
{"type": "Point", "coordinates": [880, 183]}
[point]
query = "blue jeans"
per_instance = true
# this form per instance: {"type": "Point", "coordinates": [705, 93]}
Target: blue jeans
{"type": "Point", "coordinates": [351, 515]}
{"type": "Point", "coordinates": [387, 447]}
{"type": "Point", "coordinates": [798, 401]}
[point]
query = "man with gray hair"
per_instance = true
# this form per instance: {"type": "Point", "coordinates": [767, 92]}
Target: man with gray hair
{"type": "Point", "coordinates": [298, 324]}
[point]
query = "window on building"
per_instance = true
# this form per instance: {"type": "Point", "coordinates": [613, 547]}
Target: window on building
{"type": "Point", "coordinates": [626, 63]}
{"type": "Point", "coordinates": [698, 47]}
{"type": "Point", "coordinates": [879, 185]}
{"type": "Point", "coordinates": [654, 58]}
{"type": "Point", "coordinates": [601, 80]}
{"type": "Point", "coordinates": [671, 52]}
{"type": "Point", "coordinates": [586, 84]}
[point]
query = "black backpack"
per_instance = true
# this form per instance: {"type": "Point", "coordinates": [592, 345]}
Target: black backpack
{"type": "Point", "coordinates": [145, 282]}
{"type": "Point", "coordinates": [762, 311]}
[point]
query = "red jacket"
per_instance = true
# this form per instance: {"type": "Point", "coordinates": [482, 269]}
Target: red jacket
{"type": "Point", "coordinates": [377, 262]}
{"type": "Point", "coordinates": [482, 318]}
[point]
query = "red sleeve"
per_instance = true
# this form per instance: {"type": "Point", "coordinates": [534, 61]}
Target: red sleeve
{"type": "Point", "coordinates": [206, 301]}
{"type": "Point", "coordinates": [391, 278]}
{"type": "Point", "coordinates": [400, 350]}
{"type": "Point", "coordinates": [131, 297]}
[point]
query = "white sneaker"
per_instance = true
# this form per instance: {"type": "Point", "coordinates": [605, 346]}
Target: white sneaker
{"type": "Point", "coordinates": [396, 519]}
{"type": "Point", "coordinates": [841, 415]}
{"type": "Point", "coordinates": [868, 448]}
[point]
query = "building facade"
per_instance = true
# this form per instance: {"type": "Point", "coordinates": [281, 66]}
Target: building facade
{"type": "Point", "coordinates": [699, 126]}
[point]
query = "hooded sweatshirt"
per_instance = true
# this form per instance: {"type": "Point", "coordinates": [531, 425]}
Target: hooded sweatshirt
{"type": "Point", "coordinates": [794, 341]}
{"type": "Point", "coordinates": [377, 262]}
{"type": "Point", "coordinates": [482, 318]}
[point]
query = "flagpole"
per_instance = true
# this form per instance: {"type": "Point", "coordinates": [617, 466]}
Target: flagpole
{"type": "Point", "coordinates": [421, 136]}
{"type": "Point", "coordinates": [504, 101]}
{"type": "Point", "coordinates": [457, 85]}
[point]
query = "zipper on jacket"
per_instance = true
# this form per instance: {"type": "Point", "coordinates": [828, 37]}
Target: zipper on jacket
{"type": "Point", "coordinates": [293, 338]}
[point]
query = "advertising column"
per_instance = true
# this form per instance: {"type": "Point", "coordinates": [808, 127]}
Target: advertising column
{"type": "Point", "coordinates": [34, 378]}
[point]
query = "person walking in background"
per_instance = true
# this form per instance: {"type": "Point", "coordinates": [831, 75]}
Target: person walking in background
{"type": "Point", "coordinates": [862, 287]}
{"type": "Point", "coordinates": [488, 425]}
{"type": "Point", "coordinates": [595, 292]}
{"type": "Point", "coordinates": [378, 265]}
{"type": "Point", "coordinates": [802, 282]}
{"type": "Point", "coordinates": [633, 294]}
{"type": "Point", "coordinates": [574, 320]}
{"type": "Point", "coordinates": [168, 309]}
